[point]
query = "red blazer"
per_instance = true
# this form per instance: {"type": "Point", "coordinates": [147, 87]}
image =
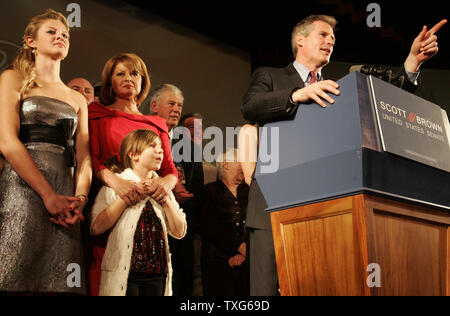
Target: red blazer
{"type": "Point", "coordinates": [108, 127]}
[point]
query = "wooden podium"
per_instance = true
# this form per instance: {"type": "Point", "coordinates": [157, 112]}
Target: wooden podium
{"type": "Point", "coordinates": [325, 248]}
{"type": "Point", "coordinates": [349, 218]}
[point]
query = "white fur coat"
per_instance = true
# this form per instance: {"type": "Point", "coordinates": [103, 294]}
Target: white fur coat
{"type": "Point", "coordinates": [117, 259]}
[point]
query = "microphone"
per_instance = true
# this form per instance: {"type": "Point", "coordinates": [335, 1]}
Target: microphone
{"type": "Point", "coordinates": [355, 68]}
{"type": "Point", "coordinates": [376, 71]}
{"type": "Point", "coordinates": [370, 70]}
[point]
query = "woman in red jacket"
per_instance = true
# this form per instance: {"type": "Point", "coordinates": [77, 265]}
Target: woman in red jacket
{"type": "Point", "coordinates": [125, 85]}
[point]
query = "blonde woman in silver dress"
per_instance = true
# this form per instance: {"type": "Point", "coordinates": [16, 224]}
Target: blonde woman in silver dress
{"type": "Point", "coordinates": [42, 195]}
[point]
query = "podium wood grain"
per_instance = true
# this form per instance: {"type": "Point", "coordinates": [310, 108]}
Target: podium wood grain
{"type": "Point", "coordinates": [325, 248]}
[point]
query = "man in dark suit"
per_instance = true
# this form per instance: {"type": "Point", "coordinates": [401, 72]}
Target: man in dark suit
{"type": "Point", "coordinates": [275, 95]}
{"type": "Point", "coordinates": [167, 101]}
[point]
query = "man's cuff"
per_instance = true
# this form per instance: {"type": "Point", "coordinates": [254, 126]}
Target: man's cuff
{"type": "Point", "coordinates": [412, 76]}
{"type": "Point", "coordinates": [292, 103]}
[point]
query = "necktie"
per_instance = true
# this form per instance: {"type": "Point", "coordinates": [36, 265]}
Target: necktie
{"type": "Point", "coordinates": [313, 77]}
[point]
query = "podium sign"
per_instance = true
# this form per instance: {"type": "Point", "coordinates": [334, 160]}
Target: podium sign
{"type": "Point", "coordinates": [411, 127]}
{"type": "Point", "coordinates": [337, 151]}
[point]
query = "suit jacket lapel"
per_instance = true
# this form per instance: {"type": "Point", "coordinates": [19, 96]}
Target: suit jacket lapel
{"type": "Point", "coordinates": [294, 77]}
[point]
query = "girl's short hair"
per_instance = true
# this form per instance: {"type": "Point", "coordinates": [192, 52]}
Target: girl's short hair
{"type": "Point", "coordinates": [134, 63]}
{"type": "Point", "coordinates": [135, 142]}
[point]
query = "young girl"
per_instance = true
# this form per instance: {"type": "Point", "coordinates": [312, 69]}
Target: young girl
{"type": "Point", "coordinates": [137, 258]}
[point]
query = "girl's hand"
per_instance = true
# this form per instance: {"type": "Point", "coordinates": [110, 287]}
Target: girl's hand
{"type": "Point", "coordinates": [158, 189]}
{"type": "Point", "coordinates": [142, 189]}
{"type": "Point", "coordinates": [59, 205]}
{"type": "Point", "coordinates": [70, 219]}
{"type": "Point", "coordinates": [127, 190]}
{"type": "Point", "coordinates": [77, 210]}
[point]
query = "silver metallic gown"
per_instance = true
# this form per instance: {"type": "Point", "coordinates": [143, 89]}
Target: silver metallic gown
{"type": "Point", "coordinates": [35, 254]}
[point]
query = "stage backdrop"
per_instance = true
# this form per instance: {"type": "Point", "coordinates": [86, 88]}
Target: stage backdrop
{"type": "Point", "coordinates": [212, 75]}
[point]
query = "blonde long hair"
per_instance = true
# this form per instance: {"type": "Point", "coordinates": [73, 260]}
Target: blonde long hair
{"type": "Point", "coordinates": [25, 61]}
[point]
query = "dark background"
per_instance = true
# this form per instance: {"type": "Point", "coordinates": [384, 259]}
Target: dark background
{"type": "Point", "coordinates": [263, 28]}
{"type": "Point", "coordinates": [209, 48]}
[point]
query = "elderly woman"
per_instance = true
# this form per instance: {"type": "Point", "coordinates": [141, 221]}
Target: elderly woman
{"type": "Point", "coordinates": [224, 255]}
{"type": "Point", "coordinates": [125, 85]}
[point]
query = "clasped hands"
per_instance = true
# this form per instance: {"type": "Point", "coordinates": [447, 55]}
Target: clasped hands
{"type": "Point", "coordinates": [238, 259]}
{"type": "Point", "coordinates": [132, 192]}
{"type": "Point", "coordinates": [65, 211]}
